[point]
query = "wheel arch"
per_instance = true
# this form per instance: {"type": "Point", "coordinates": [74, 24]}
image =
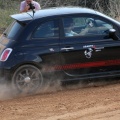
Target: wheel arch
{"type": "Point", "coordinates": [26, 63]}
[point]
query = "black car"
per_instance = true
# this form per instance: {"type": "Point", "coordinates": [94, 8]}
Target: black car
{"type": "Point", "coordinates": [68, 43]}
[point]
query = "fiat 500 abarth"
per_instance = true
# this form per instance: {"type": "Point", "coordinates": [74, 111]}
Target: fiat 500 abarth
{"type": "Point", "coordinates": [72, 42]}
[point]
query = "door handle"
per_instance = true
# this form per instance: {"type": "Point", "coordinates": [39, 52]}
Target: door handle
{"type": "Point", "coordinates": [99, 49]}
{"type": "Point", "coordinates": [67, 48]}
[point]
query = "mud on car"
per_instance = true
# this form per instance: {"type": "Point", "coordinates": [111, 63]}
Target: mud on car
{"type": "Point", "coordinates": [72, 42]}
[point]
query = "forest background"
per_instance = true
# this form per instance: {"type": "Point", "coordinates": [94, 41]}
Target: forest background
{"type": "Point", "coordinates": [108, 7]}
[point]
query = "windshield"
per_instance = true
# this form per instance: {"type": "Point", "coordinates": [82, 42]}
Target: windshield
{"type": "Point", "coordinates": [13, 30]}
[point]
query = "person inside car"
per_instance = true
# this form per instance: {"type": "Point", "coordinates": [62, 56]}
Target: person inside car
{"type": "Point", "coordinates": [28, 5]}
{"type": "Point", "coordinates": [68, 27]}
{"type": "Point", "coordinates": [90, 27]}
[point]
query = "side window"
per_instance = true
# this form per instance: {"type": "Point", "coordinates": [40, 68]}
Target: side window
{"type": "Point", "coordinates": [73, 26]}
{"type": "Point", "coordinates": [47, 30]}
{"type": "Point", "coordinates": [96, 27]}
{"type": "Point", "coordinates": [85, 26]}
{"type": "Point", "coordinates": [103, 26]}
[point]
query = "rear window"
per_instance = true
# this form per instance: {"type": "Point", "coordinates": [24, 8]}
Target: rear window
{"type": "Point", "coordinates": [13, 30]}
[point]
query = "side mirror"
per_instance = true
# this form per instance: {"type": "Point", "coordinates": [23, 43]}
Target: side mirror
{"type": "Point", "coordinates": [112, 34]}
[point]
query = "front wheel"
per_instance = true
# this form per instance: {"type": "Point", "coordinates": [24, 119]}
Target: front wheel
{"type": "Point", "coordinates": [27, 79]}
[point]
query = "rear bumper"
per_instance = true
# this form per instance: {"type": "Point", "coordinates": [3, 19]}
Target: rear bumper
{"type": "Point", "coordinates": [5, 75]}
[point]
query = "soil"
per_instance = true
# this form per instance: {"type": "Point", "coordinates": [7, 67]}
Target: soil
{"type": "Point", "coordinates": [93, 102]}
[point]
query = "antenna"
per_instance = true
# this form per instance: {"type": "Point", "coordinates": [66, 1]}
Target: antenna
{"type": "Point", "coordinates": [33, 12]}
{"type": "Point", "coordinates": [32, 7]}
{"type": "Point", "coordinates": [30, 15]}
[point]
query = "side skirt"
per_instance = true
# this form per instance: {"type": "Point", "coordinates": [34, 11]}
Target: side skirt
{"type": "Point", "coordinates": [94, 76]}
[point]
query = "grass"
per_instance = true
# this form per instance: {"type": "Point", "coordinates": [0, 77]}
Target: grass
{"type": "Point", "coordinates": [5, 13]}
{"type": "Point", "coordinates": [5, 18]}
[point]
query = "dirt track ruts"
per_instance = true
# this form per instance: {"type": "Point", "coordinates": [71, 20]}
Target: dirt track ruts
{"type": "Point", "coordinates": [91, 103]}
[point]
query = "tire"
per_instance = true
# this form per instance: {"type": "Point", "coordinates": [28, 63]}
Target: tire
{"type": "Point", "coordinates": [27, 79]}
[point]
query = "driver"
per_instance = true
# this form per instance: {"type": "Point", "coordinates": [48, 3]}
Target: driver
{"type": "Point", "coordinates": [68, 27]}
{"type": "Point", "coordinates": [90, 27]}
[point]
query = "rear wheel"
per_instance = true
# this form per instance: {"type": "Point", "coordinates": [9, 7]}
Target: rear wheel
{"type": "Point", "coordinates": [27, 79]}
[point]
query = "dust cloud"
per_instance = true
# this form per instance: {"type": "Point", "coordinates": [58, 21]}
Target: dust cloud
{"type": "Point", "coordinates": [6, 92]}
{"type": "Point", "coordinates": [55, 85]}
{"type": "Point", "coordinates": [51, 86]}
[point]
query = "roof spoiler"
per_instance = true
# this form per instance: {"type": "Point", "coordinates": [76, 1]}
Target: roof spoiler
{"type": "Point", "coordinates": [26, 16]}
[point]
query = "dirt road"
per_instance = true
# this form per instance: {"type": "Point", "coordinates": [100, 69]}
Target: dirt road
{"type": "Point", "coordinates": [90, 103]}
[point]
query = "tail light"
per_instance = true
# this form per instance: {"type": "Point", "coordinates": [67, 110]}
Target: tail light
{"type": "Point", "coordinates": [6, 53]}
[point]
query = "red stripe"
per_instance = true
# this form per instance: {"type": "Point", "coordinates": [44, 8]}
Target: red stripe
{"type": "Point", "coordinates": [87, 65]}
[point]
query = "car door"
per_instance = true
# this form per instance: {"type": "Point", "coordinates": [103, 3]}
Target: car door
{"type": "Point", "coordinates": [45, 44]}
{"type": "Point", "coordinates": [90, 51]}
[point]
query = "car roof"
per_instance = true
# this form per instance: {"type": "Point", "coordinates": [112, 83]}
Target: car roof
{"type": "Point", "coordinates": [51, 12]}
{"type": "Point", "coordinates": [57, 11]}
